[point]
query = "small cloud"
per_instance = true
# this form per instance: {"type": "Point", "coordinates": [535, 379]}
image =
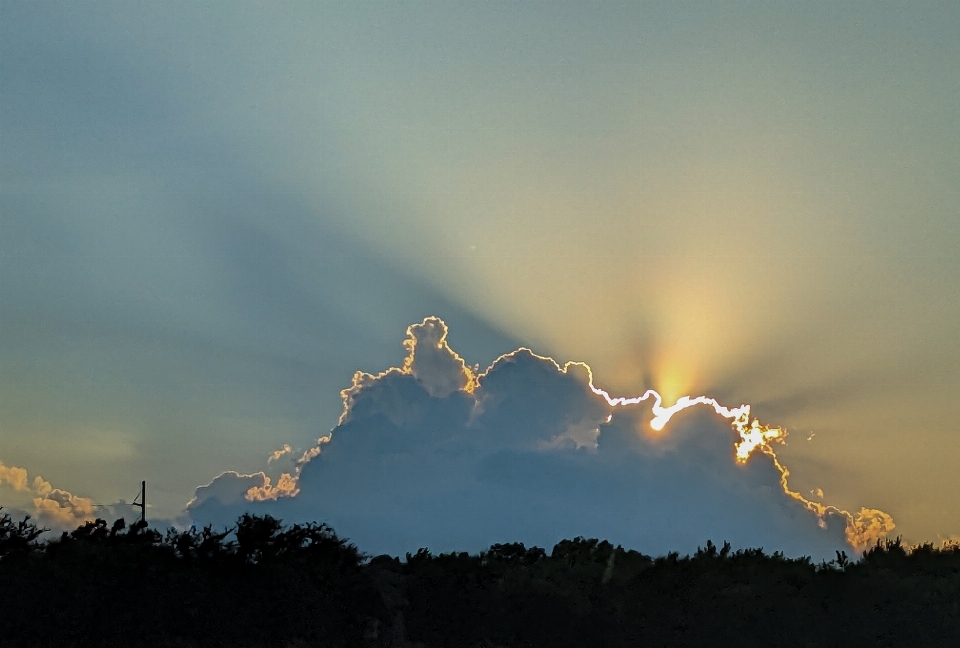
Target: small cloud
{"type": "Point", "coordinates": [310, 453]}
{"type": "Point", "coordinates": [276, 454]}
{"type": "Point", "coordinates": [286, 486]}
{"type": "Point", "coordinates": [868, 527]}
{"type": "Point", "coordinates": [432, 362]}
{"type": "Point", "coordinates": [13, 476]}
{"type": "Point", "coordinates": [53, 507]}
{"type": "Point", "coordinates": [227, 488]}
{"type": "Point", "coordinates": [58, 508]}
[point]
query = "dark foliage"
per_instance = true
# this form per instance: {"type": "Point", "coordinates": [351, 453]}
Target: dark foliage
{"type": "Point", "coordinates": [266, 584]}
{"type": "Point", "coordinates": [589, 593]}
{"type": "Point", "coordinates": [258, 584]}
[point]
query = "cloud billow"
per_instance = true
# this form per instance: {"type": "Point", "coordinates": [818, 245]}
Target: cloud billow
{"type": "Point", "coordinates": [435, 454]}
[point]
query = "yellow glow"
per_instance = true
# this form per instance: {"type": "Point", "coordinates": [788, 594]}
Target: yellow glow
{"type": "Point", "coordinates": [672, 382]}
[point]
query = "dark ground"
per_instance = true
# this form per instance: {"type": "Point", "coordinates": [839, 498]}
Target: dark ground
{"type": "Point", "coordinates": [263, 584]}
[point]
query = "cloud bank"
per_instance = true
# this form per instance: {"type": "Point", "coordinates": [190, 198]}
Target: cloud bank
{"type": "Point", "coordinates": [436, 453]}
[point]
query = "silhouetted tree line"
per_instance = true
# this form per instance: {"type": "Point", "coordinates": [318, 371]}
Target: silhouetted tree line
{"type": "Point", "coordinates": [265, 584]}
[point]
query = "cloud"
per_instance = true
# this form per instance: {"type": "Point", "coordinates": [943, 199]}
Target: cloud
{"type": "Point", "coordinates": [228, 488]}
{"type": "Point", "coordinates": [59, 508]}
{"type": "Point", "coordinates": [13, 476]}
{"type": "Point", "coordinates": [286, 486]}
{"type": "Point", "coordinates": [53, 507]}
{"type": "Point", "coordinates": [276, 454]}
{"type": "Point", "coordinates": [433, 363]}
{"type": "Point", "coordinates": [434, 453]}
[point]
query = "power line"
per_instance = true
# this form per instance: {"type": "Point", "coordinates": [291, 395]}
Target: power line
{"type": "Point", "coordinates": [142, 504]}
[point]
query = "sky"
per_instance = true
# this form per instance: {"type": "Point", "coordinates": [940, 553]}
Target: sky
{"type": "Point", "coordinates": [212, 215]}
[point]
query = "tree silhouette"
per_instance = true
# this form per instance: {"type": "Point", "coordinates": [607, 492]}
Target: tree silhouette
{"type": "Point", "coordinates": [17, 538]}
{"type": "Point", "coordinates": [264, 583]}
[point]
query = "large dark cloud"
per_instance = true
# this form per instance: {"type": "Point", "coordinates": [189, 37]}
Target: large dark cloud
{"type": "Point", "coordinates": [434, 454]}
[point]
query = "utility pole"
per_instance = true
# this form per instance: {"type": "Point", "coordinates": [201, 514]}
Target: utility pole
{"type": "Point", "coordinates": [143, 502]}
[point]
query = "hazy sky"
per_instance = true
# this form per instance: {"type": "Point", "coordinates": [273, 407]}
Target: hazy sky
{"type": "Point", "coordinates": [212, 214]}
